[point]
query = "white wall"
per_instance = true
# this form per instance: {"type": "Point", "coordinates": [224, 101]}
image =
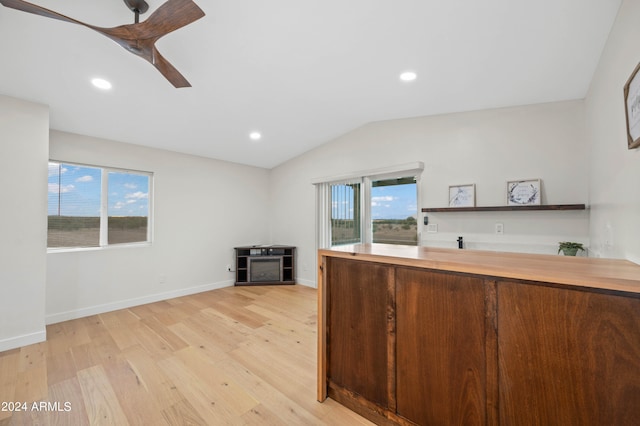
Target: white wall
{"type": "Point", "coordinates": [487, 148]}
{"type": "Point", "coordinates": [202, 209]}
{"type": "Point", "coordinates": [205, 207]}
{"type": "Point", "coordinates": [615, 170]}
{"type": "Point", "coordinates": [24, 147]}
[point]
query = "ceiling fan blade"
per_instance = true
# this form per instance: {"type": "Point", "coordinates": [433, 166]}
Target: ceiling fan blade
{"type": "Point", "coordinates": [168, 70]}
{"type": "Point", "coordinates": [146, 49]}
{"type": "Point", "coordinates": [170, 16]}
{"type": "Point", "coordinates": [38, 10]}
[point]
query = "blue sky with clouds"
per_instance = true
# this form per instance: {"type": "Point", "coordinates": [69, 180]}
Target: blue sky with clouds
{"type": "Point", "coordinates": [75, 191]}
{"type": "Point", "coordinates": [128, 194]}
{"type": "Point", "coordinates": [387, 202]}
{"type": "Point", "coordinates": [394, 202]}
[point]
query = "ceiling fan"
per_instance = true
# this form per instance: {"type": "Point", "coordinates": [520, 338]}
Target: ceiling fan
{"type": "Point", "coordinates": [138, 38]}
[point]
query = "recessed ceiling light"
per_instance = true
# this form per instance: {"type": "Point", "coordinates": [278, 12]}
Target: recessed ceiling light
{"type": "Point", "coordinates": [255, 136]}
{"type": "Point", "coordinates": [408, 76]}
{"type": "Point", "coordinates": [101, 83]}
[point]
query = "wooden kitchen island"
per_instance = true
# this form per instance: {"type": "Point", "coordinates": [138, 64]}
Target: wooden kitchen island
{"type": "Point", "coordinates": [416, 335]}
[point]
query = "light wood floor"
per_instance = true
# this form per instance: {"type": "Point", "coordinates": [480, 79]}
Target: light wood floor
{"type": "Point", "coordinates": [239, 355]}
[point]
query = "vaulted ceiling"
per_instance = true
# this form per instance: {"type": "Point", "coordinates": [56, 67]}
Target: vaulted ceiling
{"type": "Point", "coordinates": [300, 72]}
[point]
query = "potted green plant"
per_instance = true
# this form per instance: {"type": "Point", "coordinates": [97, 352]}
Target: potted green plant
{"type": "Point", "coordinates": [569, 248]}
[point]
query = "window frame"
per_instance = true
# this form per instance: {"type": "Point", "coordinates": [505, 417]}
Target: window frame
{"type": "Point", "coordinates": [370, 180]}
{"type": "Point", "coordinates": [366, 177]}
{"type": "Point", "coordinates": [357, 220]}
{"type": "Point", "coordinates": [103, 242]}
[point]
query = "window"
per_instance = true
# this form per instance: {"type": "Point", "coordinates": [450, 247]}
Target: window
{"type": "Point", "coordinates": [95, 207]}
{"type": "Point", "coordinates": [128, 212]}
{"type": "Point", "coordinates": [379, 206]}
{"type": "Point", "coordinates": [394, 211]}
{"type": "Point", "coordinates": [345, 214]}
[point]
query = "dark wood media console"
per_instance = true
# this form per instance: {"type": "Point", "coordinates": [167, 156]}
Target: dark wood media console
{"type": "Point", "coordinates": [265, 265]}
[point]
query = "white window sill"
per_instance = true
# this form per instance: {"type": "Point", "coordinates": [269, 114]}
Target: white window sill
{"type": "Point", "coordinates": [109, 247]}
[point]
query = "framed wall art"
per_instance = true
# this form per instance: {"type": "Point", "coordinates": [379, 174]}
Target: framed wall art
{"type": "Point", "coordinates": [632, 108]}
{"type": "Point", "coordinates": [523, 192]}
{"type": "Point", "coordinates": [462, 195]}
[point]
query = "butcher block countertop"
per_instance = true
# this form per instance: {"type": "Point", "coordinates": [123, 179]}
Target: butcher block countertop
{"type": "Point", "coordinates": [604, 274]}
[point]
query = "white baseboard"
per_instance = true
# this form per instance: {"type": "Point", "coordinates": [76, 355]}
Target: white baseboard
{"type": "Point", "coordinates": [123, 304]}
{"type": "Point", "coordinates": [307, 283]}
{"type": "Point", "coordinates": [24, 340]}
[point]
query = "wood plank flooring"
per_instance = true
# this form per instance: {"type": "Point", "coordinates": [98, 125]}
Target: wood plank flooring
{"type": "Point", "coordinates": [237, 356]}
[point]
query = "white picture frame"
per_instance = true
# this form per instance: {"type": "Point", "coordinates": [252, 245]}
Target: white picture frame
{"type": "Point", "coordinates": [524, 192]}
{"type": "Point", "coordinates": [462, 195]}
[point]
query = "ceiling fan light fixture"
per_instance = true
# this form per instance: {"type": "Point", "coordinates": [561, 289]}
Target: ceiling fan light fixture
{"type": "Point", "coordinates": [408, 76]}
{"type": "Point", "coordinates": [101, 83]}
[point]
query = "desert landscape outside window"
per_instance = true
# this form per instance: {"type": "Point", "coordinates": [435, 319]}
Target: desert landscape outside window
{"type": "Point", "coordinates": [391, 217]}
{"type": "Point", "coordinates": [91, 206]}
{"type": "Point", "coordinates": [394, 211]}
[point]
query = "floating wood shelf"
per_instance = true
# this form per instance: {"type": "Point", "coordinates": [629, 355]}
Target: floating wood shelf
{"type": "Point", "coordinates": [505, 208]}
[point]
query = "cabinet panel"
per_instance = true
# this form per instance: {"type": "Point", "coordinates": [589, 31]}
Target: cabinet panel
{"type": "Point", "coordinates": [440, 338]}
{"type": "Point", "coordinates": [358, 327]}
{"type": "Point", "coordinates": [567, 356]}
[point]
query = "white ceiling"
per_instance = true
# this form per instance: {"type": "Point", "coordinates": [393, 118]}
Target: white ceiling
{"type": "Point", "coordinates": [302, 72]}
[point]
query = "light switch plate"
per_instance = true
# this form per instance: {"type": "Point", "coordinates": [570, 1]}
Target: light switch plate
{"type": "Point", "coordinates": [432, 228]}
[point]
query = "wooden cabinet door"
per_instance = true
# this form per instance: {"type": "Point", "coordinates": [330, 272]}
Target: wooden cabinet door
{"type": "Point", "coordinates": [567, 357]}
{"type": "Point", "coordinates": [440, 338]}
{"type": "Point", "coordinates": [358, 327]}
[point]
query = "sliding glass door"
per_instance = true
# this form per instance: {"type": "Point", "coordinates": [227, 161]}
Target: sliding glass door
{"type": "Point", "coordinates": [394, 211]}
{"type": "Point", "coordinates": [346, 214]}
{"type": "Point", "coordinates": [378, 209]}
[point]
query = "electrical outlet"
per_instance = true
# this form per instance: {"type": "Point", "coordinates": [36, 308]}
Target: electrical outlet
{"type": "Point", "coordinates": [228, 268]}
{"type": "Point", "coordinates": [162, 278]}
{"type": "Point", "coordinates": [499, 228]}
